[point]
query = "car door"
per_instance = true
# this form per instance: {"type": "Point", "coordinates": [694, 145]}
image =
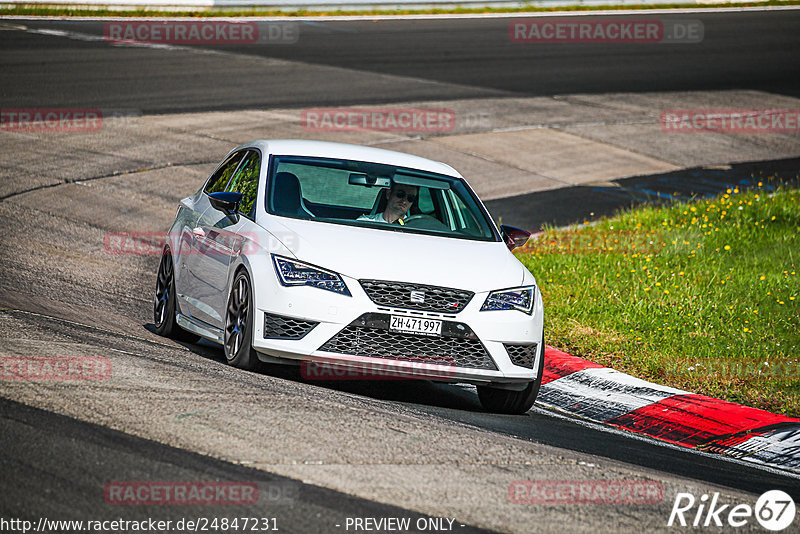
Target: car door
{"type": "Point", "coordinates": [223, 237]}
{"type": "Point", "coordinates": [193, 289]}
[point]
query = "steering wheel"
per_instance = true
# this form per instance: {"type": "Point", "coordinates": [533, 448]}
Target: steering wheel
{"type": "Point", "coordinates": [419, 216]}
{"type": "Point", "coordinates": [425, 222]}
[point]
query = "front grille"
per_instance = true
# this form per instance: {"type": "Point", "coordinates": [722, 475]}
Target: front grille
{"type": "Point", "coordinates": [280, 327]}
{"type": "Point", "coordinates": [367, 337]}
{"type": "Point", "coordinates": [522, 355]}
{"type": "Point", "coordinates": [398, 295]}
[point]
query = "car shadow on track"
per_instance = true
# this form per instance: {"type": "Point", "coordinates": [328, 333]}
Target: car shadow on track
{"type": "Point", "coordinates": [422, 392]}
{"type": "Point", "coordinates": [419, 392]}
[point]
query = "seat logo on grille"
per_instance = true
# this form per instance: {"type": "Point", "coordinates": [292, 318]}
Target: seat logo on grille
{"type": "Point", "coordinates": [418, 297]}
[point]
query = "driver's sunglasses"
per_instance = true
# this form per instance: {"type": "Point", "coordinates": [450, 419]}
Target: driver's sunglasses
{"type": "Point", "coordinates": [403, 195]}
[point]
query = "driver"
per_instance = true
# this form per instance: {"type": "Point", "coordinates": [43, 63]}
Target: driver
{"type": "Point", "coordinates": [399, 199]}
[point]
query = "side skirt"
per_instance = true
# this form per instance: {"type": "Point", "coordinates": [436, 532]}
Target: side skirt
{"type": "Point", "coordinates": [201, 329]}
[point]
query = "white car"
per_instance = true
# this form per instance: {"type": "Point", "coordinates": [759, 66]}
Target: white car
{"type": "Point", "coordinates": [354, 257]}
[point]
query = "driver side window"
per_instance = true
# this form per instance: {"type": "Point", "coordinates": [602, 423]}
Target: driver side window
{"type": "Point", "coordinates": [219, 180]}
{"type": "Point", "coordinates": [246, 182]}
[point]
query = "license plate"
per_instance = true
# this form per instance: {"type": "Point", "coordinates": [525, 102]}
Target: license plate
{"type": "Point", "coordinates": [415, 325]}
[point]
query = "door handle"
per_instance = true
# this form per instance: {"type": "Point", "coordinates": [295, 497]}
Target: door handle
{"type": "Point", "coordinates": [199, 233]}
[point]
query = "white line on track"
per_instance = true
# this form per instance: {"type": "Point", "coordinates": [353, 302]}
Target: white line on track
{"type": "Point", "coordinates": [518, 14]}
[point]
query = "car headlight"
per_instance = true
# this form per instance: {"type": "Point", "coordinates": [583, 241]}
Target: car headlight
{"type": "Point", "coordinates": [518, 298]}
{"type": "Point", "coordinates": [296, 273]}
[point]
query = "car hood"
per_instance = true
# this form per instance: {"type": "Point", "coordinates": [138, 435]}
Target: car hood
{"type": "Point", "coordinates": [366, 253]}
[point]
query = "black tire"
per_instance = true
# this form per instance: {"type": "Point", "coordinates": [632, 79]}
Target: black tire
{"type": "Point", "coordinates": [239, 324]}
{"type": "Point", "coordinates": [513, 402]}
{"type": "Point", "coordinates": [164, 302]}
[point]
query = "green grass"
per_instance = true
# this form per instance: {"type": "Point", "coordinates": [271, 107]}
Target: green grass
{"type": "Point", "coordinates": [28, 10]}
{"type": "Point", "coordinates": [702, 296]}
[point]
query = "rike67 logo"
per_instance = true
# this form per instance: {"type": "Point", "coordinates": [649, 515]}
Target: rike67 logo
{"type": "Point", "coordinates": [774, 510]}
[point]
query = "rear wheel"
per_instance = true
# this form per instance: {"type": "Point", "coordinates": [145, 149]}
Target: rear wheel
{"type": "Point", "coordinates": [164, 302]}
{"type": "Point", "coordinates": [513, 402]}
{"type": "Point", "coordinates": [239, 324]}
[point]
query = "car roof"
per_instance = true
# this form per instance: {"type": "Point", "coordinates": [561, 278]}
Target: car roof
{"type": "Point", "coordinates": [325, 149]}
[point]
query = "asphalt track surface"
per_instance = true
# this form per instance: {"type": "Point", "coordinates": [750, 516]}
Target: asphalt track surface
{"type": "Point", "coordinates": [465, 58]}
{"type": "Point", "coordinates": [57, 465]}
{"type": "Point", "coordinates": [36, 442]}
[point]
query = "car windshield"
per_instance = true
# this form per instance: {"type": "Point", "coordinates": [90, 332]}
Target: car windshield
{"type": "Point", "coordinates": [358, 193]}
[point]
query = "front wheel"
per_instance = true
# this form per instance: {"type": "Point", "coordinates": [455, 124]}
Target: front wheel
{"type": "Point", "coordinates": [513, 402]}
{"type": "Point", "coordinates": [239, 324]}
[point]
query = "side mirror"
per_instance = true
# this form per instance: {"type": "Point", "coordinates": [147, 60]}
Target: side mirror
{"type": "Point", "coordinates": [227, 202]}
{"type": "Point", "coordinates": [515, 237]}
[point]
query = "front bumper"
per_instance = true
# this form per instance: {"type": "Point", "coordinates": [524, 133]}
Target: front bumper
{"type": "Point", "coordinates": [491, 347]}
